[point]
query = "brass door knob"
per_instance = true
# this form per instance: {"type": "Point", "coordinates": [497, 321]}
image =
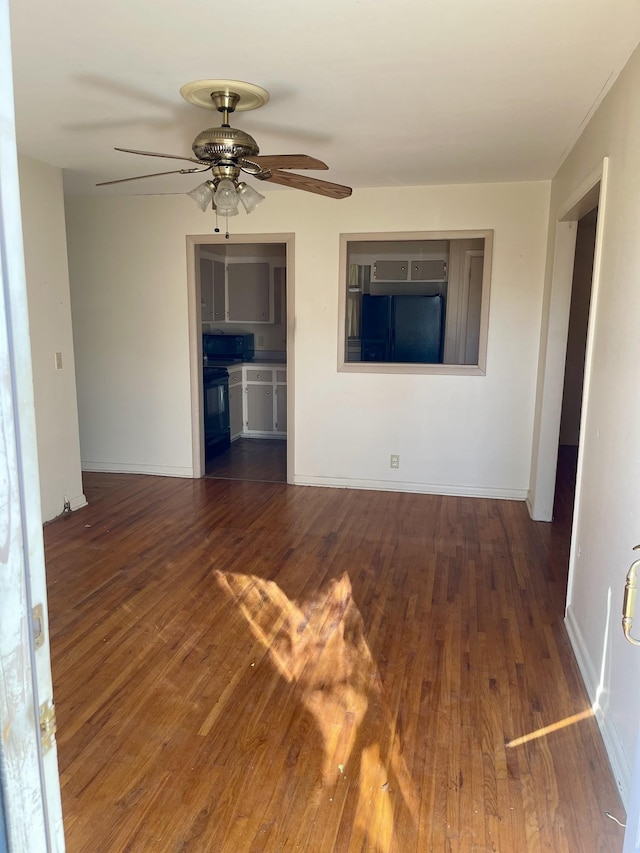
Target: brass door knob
{"type": "Point", "coordinates": [629, 603]}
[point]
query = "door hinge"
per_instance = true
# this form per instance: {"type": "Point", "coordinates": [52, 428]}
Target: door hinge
{"type": "Point", "coordinates": [48, 726]}
{"type": "Point", "coordinates": [37, 625]}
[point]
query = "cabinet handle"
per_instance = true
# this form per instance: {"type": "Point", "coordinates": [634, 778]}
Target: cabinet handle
{"type": "Point", "coordinates": [268, 392]}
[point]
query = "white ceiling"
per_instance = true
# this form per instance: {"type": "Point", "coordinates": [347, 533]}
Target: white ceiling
{"type": "Point", "coordinates": [387, 92]}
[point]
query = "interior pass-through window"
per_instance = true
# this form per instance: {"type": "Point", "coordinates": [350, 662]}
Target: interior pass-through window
{"type": "Point", "coordinates": [415, 302]}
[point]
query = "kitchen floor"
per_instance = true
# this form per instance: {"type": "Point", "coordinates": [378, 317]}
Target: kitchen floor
{"type": "Point", "coordinates": [258, 459]}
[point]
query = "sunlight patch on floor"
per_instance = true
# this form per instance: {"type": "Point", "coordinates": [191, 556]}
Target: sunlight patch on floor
{"type": "Point", "coordinates": [319, 646]}
{"type": "Point", "coordinates": [553, 727]}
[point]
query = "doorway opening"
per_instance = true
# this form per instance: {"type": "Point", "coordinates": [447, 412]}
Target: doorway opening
{"type": "Point", "coordinates": [589, 196]}
{"type": "Point", "coordinates": [574, 371]}
{"type": "Point", "coordinates": [241, 298]}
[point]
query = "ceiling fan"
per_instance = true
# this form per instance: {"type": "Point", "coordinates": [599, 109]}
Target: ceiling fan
{"type": "Point", "coordinates": [226, 152]}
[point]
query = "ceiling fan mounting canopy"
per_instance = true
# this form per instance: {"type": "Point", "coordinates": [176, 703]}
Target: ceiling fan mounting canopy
{"type": "Point", "coordinates": [201, 92]}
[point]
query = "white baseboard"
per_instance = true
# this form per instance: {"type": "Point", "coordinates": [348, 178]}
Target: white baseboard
{"type": "Point", "coordinates": [532, 511]}
{"type": "Point", "coordinates": [620, 765]}
{"type": "Point", "coordinates": [78, 502]}
{"type": "Point", "coordinates": [415, 488]}
{"type": "Point", "coordinates": [129, 468]}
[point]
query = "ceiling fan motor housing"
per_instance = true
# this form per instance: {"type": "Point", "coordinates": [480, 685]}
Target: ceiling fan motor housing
{"type": "Point", "coordinates": [224, 143]}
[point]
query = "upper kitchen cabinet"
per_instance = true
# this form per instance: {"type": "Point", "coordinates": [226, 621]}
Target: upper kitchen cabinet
{"type": "Point", "coordinates": [206, 289]}
{"type": "Point", "coordinates": [212, 288]}
{"type": "Point", "coordinates": [249, 293]}
{"type": "Point", "coordinates": [242, 289]}
{"type": "Point", "coordinates": [219, 289]}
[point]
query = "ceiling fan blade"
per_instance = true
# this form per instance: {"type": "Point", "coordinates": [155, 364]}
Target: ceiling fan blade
{"type": "Point", "coordinates": [153, 175]}
{"type": "Point", "coordinates": [155, 154]}
{"type": "Point", "coordinates": [302, 182]}
{"type": "Point", "coordinates": [287, 161]}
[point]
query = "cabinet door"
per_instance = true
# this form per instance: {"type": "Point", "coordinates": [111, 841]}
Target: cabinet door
{"type": "Point", "coordinates": [260, 408]}
{"type": "Point", "coordinates": [281, 408]}
{"type": "Point", "coordinates": [235, 410]}
{"type": "Point", "coordinates": [434, 269]}
{"type": "Point", "coordinates": [390, 271]}
{"type": "Point", "coordinates": [219, 303]}
{"type": "Point", "coordinates": [279, 295]}
{"type": "Point", "coordinates": [235, 375]}
{"type": "Point", "coordinates": [248, 293]}
{"type": "Point", "coordinates": [206, 289]}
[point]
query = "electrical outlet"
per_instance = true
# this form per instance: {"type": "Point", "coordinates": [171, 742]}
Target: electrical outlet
{"type": "Point", "coordinates": [395, 460]}
{"type": "Point", "coordinates": [58, 361]}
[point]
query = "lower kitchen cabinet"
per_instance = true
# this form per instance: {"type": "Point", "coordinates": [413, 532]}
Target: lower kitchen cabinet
{"type": "Point", "coordinates": [236, 401]}
{"type": "Point", "coordinates": [259, 408]}
{"type": "Point", "coordinates": [235, 411]}
{"type": "Point", "coordinates": [280, 424]}
{"type": "Point", "coordinates": [265, 402]}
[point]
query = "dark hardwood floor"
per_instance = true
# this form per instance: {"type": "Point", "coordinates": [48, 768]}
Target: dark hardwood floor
{"type": "Point", "coordinates": [260, 667]}
{"type": "Point", "coordinates": [259, 459]}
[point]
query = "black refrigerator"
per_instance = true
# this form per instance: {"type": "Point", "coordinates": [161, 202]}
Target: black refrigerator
{"type": "Point", "coordinates": [402, 328]}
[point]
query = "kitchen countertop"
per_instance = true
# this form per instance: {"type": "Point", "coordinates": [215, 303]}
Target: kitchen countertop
{"type": "Point", "coordinates": [257, 362]}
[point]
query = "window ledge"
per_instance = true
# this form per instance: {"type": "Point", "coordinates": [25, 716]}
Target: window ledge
{"type": "Point", "coordinates": [420, 369]}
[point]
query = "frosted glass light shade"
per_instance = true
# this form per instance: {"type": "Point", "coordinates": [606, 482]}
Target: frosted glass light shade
{"type": "Point", "coordinates": [203, 195]}
{"type": "Point", "coordinates": [226, 198]}
{"type": "Point", "coordinates": [249, 197]}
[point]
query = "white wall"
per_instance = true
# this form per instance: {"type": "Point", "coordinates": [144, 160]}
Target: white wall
{"type": "Point", "coordinates": [462, 435]}
{"type": "Point", "coordinates": [607, 521]}
{"type": "Point", "coordinates": [47, 274]}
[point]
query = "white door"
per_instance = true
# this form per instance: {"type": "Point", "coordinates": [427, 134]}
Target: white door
{"type": "Point", "coordinates": [30, 785]}
{"type": "Point", "coordinates": [632, 832]}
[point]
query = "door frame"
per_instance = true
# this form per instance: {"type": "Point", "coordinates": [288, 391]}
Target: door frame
{"type": "Point", "coordinates": [195, 339]}
{"type": "Point", "coordinates": [553, 345]}
{"type": "Point", "coordinates": [30, 807]}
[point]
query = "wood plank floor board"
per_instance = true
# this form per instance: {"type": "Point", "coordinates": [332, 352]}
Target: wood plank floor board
{"type": "Point", "coordinates": [246, 667]}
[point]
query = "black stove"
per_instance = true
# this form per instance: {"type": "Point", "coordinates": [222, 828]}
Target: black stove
{"type": "Point", "coordinates": [217, 431]}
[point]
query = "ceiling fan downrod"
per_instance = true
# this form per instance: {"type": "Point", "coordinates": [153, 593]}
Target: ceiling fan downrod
{"type": "Point", "coordinates": [225, 103]}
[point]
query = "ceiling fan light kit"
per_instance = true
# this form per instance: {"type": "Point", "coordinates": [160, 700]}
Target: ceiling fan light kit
{"type": "Point", "coordinates": [249, 197]}
{"type": "Point", "coordinates": [226, 151]}
{"type": "Point", "coordinates": [203, 195]}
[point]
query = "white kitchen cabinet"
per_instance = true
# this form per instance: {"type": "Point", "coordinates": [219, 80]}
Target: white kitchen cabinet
{"type": "Point", "coordinates": [420, 270]}
{"type": "Point", "coordinates": [280, 424]}
{"type": "Point", "coordinates": [259, 408]}
{"type": "Point", "coordinates": [248, 290]}
{"type": "Point", "coordinates": [212, 290]}
{"type": "Point", "coordinates": [236, 292]}
{"type": "Point", "coordinates": [383, 270]}
{"type": "Point", "coordinates": [219, 290]}
{"type": "Point", "coordinates": [206, 289]}
{"type": "Point", "coordinates": [265, 401]}
{"type": "Point", "coordinates": [236, 401]}
{"type": "Point", "coordinates": [249, 293]}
